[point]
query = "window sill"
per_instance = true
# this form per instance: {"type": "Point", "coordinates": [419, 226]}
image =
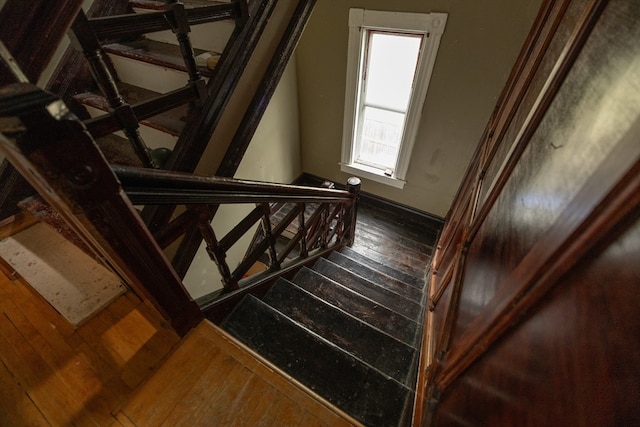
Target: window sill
{"type": "Point", "coordinates": [372, 174]}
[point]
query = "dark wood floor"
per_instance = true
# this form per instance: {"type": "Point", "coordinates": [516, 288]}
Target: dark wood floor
{"type": "Point", "coordinates": [397, 238]}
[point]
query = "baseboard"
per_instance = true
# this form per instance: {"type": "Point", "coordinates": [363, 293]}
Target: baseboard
{"type": "Point", "coordinates": [377, 201]}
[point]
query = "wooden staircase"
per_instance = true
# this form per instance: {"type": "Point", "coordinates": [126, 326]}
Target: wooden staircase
{"type": "Point", "coordinates": [348, 328]}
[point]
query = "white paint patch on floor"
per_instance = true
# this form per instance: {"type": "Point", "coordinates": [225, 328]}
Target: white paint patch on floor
{"type": "Point", "coordinates": [75, 284]}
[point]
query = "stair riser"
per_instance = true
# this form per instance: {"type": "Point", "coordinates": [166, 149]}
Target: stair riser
{"type": "Point", "coordinates": [368, 344]}
{"type": "Point", "coordinates": [368, 311]}
{"type": "Point", "coordinates": [382, 296]}
{"type": "Point", "coordinates": [397, 274]}
{"type": "Point", "coordinates": [394, 285]}
{"type": "Point", "coordinates": [149, 76]}
{"type": "Point", "coordinates": [152, 137]}
{"type": "Point", "coordinates": [212, 37]}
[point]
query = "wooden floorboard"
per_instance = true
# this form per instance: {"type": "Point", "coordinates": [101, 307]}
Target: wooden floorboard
{"type": "Point", "coordinates": [398, 241]}
{"type": "Point", "coordinates": [54, 374]}
{"type": "Point", "coordinates": [125, 368]}
{"type": "Point", "coordinates": [213, 380]}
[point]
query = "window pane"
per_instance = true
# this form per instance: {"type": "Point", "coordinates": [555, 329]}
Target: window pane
{"type": "Point", "coordinates": [380, 138]}
{"type": "Point", "coordinates": [391, 66]}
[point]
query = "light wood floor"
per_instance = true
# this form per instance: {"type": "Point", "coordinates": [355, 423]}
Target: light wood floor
{"type": "Point", "coordinates": [124, 367]}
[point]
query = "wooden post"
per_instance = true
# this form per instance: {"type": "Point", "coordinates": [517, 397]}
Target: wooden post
{"type": "Point", "coordinates": [353, 185]}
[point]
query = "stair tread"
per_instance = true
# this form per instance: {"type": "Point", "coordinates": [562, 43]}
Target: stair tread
{"type": "Point", "coordinates": [118, 151]}
{"type": "Point", "coordinates": [281, 211]}
{"type": "Point", "coordinates": [367, 310]}
{"type": "Point", "coordinates": [342, 379]}
{"type": "Point", "coordinates": [160, 4]}
{"type": "Point", "coordinates": [417, 282]}
{"type": "Point", "coordinates": [155, 52]}
{"type": "Point", "coordinates": [397, 286]}
{"type": "Point", "coordinates": [380, 350]}
{"type": "Point", "coordinates": [171, 122]}
{"type": "Point", "coordinates": [382, 296]}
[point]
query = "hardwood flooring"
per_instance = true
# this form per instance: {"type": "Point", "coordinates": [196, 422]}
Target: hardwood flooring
{"type": "Point", "coordinates": [53, 374]}
{"type": "Point", "coordinates": [396, 239]}
{"type": "Point", "coordinates": [124, 367]}
{"type": "Point", "coordinates": [212, 380]}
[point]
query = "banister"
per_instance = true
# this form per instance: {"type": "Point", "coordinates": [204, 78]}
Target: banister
{"type": "Point", "coordinates": [156, 187]}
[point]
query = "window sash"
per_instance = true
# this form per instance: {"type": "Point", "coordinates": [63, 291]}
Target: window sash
{"type": "Point", "coordinates": [382, 153]}
{"type": "Point", "coordinates": [429, 25]}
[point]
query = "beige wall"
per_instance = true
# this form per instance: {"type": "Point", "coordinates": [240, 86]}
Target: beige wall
{"type": "Point", "coordinates": [273, 156]}
{"type": "Point", "coordinates": [480, 44]}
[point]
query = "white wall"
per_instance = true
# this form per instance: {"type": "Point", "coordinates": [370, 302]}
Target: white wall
{"type": "Point", "coordinates": [272, 156]}
{"type": "Point", "coordinates": [479, 46]}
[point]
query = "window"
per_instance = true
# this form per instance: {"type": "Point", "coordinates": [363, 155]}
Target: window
{"type": "Point", "coordinates": [391, 57]}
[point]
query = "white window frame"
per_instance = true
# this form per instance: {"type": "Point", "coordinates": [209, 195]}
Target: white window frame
{"type": "Point", "coordinates": [360, 20]}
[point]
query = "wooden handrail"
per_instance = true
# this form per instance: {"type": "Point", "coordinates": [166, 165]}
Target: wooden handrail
{"type": "Point", "coordinates": [147, 186]}
{"type": "Point", "coordinates": [331, 224]}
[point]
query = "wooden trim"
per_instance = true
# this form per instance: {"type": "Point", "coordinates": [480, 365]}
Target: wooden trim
{"type": "Point", "coordinates": [504, 95]}
{"type": "Point", "coordinates": [46, 19]}
{"type": "Point", "coordinates": [526, 71]}
{"type": "Point", "coordinates": [376, 201]}
{"type": "Point", "coordinates": [433, 300]}
{"type": "Point", "coordinates": [455, 224]}
{"type": "Point", "coordinates": [610, 195]}
{"type": "Point", "coordinates": [563, 66]}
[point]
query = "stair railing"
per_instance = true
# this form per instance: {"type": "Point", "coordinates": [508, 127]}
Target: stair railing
{"type": "Point", "coordinates": [88, 34]}
{"type": "Point", "coordinates": [53, 150]}
{"type": "Point", "coordinates": [319, 219]}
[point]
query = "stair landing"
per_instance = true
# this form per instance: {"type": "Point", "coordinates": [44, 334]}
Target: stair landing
{"type": "Point", "coordinates": [213, 380]}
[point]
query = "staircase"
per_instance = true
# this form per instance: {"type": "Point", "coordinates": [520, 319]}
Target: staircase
{"type": "Point", "coordinates": [348, 328]}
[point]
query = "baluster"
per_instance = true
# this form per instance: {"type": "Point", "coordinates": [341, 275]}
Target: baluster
{"type": "Point", "coordinates": [325, 218]}
{"type": "Point", "coordinates": [266, 227]}
{"type": "Point", "coordinates": [215, 251]}
{"type": "Point", "coordinates": [353, 185]}
{"type": "Point", "coordinates": [84, 39]}
{"type": "Point", "coordinates": [179, 21]}
{"type": "Point", "coordinates": [304, 252]}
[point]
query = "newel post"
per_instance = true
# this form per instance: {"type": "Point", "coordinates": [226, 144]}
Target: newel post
{"type": "Point", "coordinates": [353, 186]}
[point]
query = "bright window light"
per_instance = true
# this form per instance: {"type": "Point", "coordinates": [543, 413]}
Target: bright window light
{"type": "Point", "coordinates": [387, 81]}
{"type": "Point", "coordinates": [391, 58]}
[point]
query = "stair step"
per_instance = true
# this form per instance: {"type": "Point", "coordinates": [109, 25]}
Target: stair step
{"type": "Point", "coordinates": [118, 151]}
{"type": "Point", "coordinates": [353, 386]}
{"type": "Point", "coordinates": [397, 286]}
{"type": "Point", "coordinates": [416, 282]}
{"type": "Point", "coordinates": [207, 34]}
{"type": "Point", "coordinates": [371, 290]}
{"type": "Point", "coordinates": [171, 122]}
{"type": "Point", "coordinates": [367, 343]}
{"type": "Point", "coordinates": [369, 311]}
{"type": "Point", "coordinates": [160, 4]}
{"type": "Point", "coordinates": [156, 53]}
